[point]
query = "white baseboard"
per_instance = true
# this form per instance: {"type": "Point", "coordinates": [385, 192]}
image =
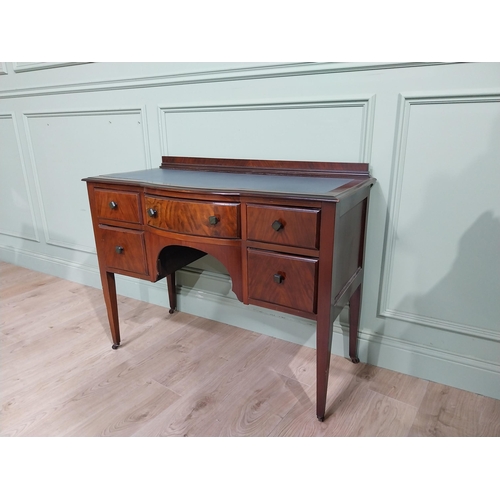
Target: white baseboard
{"type": "Point", "coordinates": [210, 298]}
{"type": "Point", "coordinates": [55, 266]}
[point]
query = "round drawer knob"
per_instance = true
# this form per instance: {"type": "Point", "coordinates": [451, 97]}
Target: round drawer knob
{"type": "Point", "coordinates": [113, 205]}
{"type": "Point", "coordinates": [277, 225]}
{"type": "Point", "coordinates": [152, 212]}
{"type": "Point", "coordinates": [213, 219]}
{"type": "Point", "coordinates": [119, 249]}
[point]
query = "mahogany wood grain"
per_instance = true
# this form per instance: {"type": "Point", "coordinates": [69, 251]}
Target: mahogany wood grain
{"type": "Point", "coordinates": [297, 227]}
{"type": "Point", "coordinates": [324, 328]}
{"type": "Point", "coordinates": [354, 313]}
{"type": "Point", "coordinates": [296, 286]}
{"type": "Point", "coordinates": [191, 195]}
{"type": "Point", "coordinates": [280, 201]}
{"type": "Point", "coordinates": [109, 292]}
{"type": "Point", "coordinates": [348, 246]}
{"type": "Point", "coordinates": [229, 253]}
{"type": "Point", "coordinates": [171, 291]}
{"type": "Point", "coordinates": [123, 249]}
{"type": "Point", "coordinates": [276, 167]}
{"type": "Point", "coordinates": [194, 217]}
{"type": "Point", "coordinates": [117, 205]}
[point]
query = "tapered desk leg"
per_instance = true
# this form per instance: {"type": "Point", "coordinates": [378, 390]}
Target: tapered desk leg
{"type": "Point", "coordinates": [323, 347]}
{"type": "Point", "coordinates": [171, 292]}
{"type": "Point", "coordinates": [324, 332]}
{"type": "Point", "coordinates": [354, 314]}
{"type": "Point", "coordinates": [109, 291]}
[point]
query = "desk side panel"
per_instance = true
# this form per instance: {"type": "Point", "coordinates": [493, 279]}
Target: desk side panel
{"type": "Point", "coordinates": [349, 250]}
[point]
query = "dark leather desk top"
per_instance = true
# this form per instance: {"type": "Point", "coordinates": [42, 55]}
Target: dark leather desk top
{"type": "Point", "coordinates": [321, 187]}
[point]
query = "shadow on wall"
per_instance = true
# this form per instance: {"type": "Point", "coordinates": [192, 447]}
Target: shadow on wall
{"type": "Point", "coordinates": [469, 294]}
{"type": "Point", "coordinates": [462, 311]}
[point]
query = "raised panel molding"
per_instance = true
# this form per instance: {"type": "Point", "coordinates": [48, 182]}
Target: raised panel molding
{"type": "Point", "coordinates": [365, 103]}
{"type": "Point", "coordinates": [221, 75]}
{"type": "Point", "coordinates": [406, 103]}
{"type": "Point", "coordinates": [140, 112]}
{"type": "Point", "coordinates": [20, 67]}
{"type": "Point", "coordinates": [34, 236]}
{"type": "Point", "coordinates": [3, 68]}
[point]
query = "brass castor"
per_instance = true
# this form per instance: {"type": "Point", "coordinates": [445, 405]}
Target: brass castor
{"type": "Point", "coordinates": [115, 346]}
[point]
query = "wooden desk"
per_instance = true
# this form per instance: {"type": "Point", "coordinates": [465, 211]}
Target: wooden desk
{"type": "Point", "coordinates": [291, 235]}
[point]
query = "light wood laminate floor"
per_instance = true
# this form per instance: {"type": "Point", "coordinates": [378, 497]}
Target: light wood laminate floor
{"type": "Point", "coordinates": [179, 375]}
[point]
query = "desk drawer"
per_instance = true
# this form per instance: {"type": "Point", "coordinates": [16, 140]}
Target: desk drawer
{"type": "Point", "coordinates": [218, 220]}
{"type": "Point", "coordinates": [281, 279]}
{"type": "Point", "coordinates": [123, 249]}
{"type": "Point", "coordinates": [117, 205]}
{"type": "Point", "coordinates": [296, 227]}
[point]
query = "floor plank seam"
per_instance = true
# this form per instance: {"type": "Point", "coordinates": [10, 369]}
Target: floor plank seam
{"type": "Point", "coordinates": [183, 375]}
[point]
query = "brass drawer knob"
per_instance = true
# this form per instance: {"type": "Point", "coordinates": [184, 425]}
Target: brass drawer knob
{"type": "Point", "coordinates": [213, 219]}
{"type": "Point", "coordinates": [113, 205]}
{"type": "Point", "coordinates": [152, 212]}
{"type": "Point", "coordinates": [278, 278]}
{"type": "Point", "coordinates": [119, 249]}
{"type": "Point", "coordinates": [277, 225]}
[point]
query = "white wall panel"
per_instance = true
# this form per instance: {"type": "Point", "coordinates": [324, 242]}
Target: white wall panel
{"type": "Point", "coordinates": [291, 130]}
{"type": "Point", "coordinates": [442, 266]}
{"type": "Point", "coordinates": [16, 210]}
{"type": "Point", "coordinates": [68, 146]}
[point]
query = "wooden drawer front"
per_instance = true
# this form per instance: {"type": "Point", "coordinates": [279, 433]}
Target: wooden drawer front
{"type": "Point", "coordinates": [117, 205]}
{"type": "Point", "coordinates": [219, 220]}
{"type": "Point", "coordinates": [282, 279]}
{"type": "Point", "coordinates": [296, 227]}
{"type": "Point", "coordinates": [123, 249]}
